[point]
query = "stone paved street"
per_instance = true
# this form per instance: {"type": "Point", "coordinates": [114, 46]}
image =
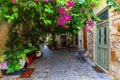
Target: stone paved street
{"type": "Point", "coordinates": [62, 64]}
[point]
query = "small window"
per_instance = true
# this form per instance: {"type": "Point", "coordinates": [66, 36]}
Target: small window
{"type": "Point", "coordinates": [103, 16]}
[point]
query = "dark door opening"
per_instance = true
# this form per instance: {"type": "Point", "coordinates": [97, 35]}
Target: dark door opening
{"type": "Point", "coordinates": [63, 40]}
{"type": "Point", "coordinates": [85, 40]}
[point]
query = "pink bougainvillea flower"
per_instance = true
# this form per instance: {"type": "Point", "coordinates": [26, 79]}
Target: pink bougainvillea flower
{"type": "Point", "coordinates": [86, 29]}
{"type": "Point", "coordinates": [62, 19]}
{"type": "Point", "coordinates": [65, 26]}
{"type": "Point", "coordinates": [14, 1]}
{"type": "Point", "coordinates": [1, 65]}
{"type": "Point", "coordinates": [92, 5]}
{"type": "Point", "coordinates": [70, 4]}
{"type": "Point", "coordinates": [81, 9]}
{"type": "Point", "coordinates": [46, 0]}
{"type": "Point", "coordinates": [60, 23]}
{"type": "Point", "coordinates": [92, 24]}
{"type": "Point", "coordinates": [63, 15]}
{"type": "Point", "coordinates": [68, 12]}
{"type": "Point", "coordinates": [36, 0]}
{"type": "Point", "coordinates": [6, 62]}
{"type": "Point", "coordinates": [61, 10]}
{"type": "Point", "coordinates": [101, 23]}
{"type": "Point", "coordinates": [87, 9]}
{"type": "Point", "coordinates": [57, 17]}
{"type": "Point", "coordinates": [87, 22]}
{"type": "Point", "coordinates": [87, 25]}
{"type": "Point", "coordinates": [67, 17]}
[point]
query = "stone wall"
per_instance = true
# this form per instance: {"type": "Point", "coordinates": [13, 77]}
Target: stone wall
{"type": "Point", "coordinates": [90, 44]}
{"type": "Point", "coordinates": [114, 18]}
{"type": "Point", "coordinates": [70, 40]}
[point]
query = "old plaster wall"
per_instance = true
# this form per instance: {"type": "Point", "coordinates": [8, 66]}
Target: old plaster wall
{"type": "Point", "coordinates": [3, 38]}
{"type": "Point", "coordinates": [4, 29]}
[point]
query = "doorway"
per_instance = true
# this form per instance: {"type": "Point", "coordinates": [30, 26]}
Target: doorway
{"type": "Point", "coordinates": [84, 40]}
{"type": "Point", "coordinates": [102, 45]}
{"type": "Point", "coordinates": [63, 41]}
{"type": "Point", "coordinates": [102, 55]}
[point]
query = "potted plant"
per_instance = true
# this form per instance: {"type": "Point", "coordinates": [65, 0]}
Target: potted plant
{"type": "Point", "coordinates": [16, 63]}
{"type": "Point", "coordinates": [52, 45]}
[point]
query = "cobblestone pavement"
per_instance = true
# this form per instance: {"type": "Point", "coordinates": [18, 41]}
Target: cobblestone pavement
{"type": "Point", "coordinates": [62, 64]}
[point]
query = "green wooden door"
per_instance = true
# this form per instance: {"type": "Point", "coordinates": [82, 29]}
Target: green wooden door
{"type": "Point", "coordinates": [102, 55]}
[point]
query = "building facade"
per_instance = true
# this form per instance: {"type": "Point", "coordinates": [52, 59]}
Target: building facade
{"type": "Point", "coordinates": [103, 42]}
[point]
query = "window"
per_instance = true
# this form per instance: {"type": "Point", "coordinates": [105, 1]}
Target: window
{"type": "Point", "coordinates": [99, 36]}
{"type": "Point", "coordinates": [103, 16]}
